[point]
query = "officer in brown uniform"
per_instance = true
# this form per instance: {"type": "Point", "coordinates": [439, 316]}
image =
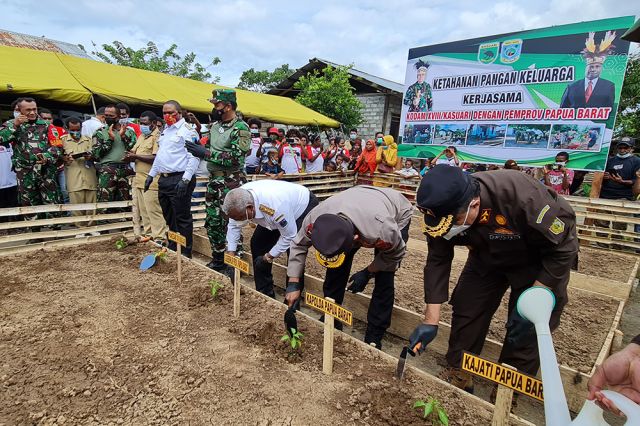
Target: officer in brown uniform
{"type": "Point", "coordinates": [519, 233]}
{"type": "Point", "coordinates": [363, 216]}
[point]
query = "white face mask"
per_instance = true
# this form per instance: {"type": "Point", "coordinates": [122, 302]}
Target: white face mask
{"type": "Point", "coordinates": [16, 114]}
{"type": "Point", "coordinates": [627, 155]}
{"type": "Point", "coordinates": [457, 229]}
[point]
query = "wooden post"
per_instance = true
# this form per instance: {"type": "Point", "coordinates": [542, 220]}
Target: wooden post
{"type": "Point", "coordinates": [616, 343]}
{"type": "Point", "coordinates": [327, 347]}
{"type": "Point", "coordinates": [236, 292]}
{"type": "Point", "coordinates": [502, 409]}
{"type": "Point", "coordinates": [179, 251]}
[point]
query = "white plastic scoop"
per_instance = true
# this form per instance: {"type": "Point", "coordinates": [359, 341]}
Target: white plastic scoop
{"type": "Point", "coordinates": [536, 304]}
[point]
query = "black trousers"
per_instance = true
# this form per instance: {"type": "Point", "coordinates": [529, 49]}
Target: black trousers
{"type": "Point", "coordinates": [476, 298]}
{"type": "Point", "coordinates": [177, 210]}
{"type": "Point", "coordinates": [262, 241]}
{"type": "Point", "coordinates": [381, 306]}
{"type": "Point", "coordinates": [8, 198]}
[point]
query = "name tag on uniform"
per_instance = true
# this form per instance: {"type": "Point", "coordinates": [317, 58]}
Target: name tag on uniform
{"type": "Point", "coordinates": [504, 237]}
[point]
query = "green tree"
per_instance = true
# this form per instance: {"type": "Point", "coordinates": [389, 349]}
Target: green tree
{"type": "Point", "coordinates": [262, 81]}
{"type": "Point", "coordinates": [628, 119]}
{"type": "Point", "coordinates": [150, 58]}
{"type": "Point", "coordinates": [330, 93]}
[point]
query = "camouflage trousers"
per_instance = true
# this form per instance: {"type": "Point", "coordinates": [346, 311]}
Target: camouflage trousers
{"type": "Point", "coordinates": [215, 222]}
{"type": "Point", "coordinates": [38, 186]}
{"type": "Point", "coordinates": [113, 184]}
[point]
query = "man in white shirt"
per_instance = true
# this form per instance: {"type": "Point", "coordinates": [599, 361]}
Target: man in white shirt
{"type": "Point", "coordinates": [90, 126]}
{"type": "Point", "coordinates": [177, 168]}
{"type": "Point", "coordinates": [410, 174]}
{"type": "Point", "coordinates": [278, 208]}
{"type": "Point", "coordinates": [8, 182]}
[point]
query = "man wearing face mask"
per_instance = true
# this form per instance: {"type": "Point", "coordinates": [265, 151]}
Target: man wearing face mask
{"type": "Point", "coordinates": [360, 217]}
{"type": "Point", "coordinates": [252, 161]}
{"type": "Point", "coordinates": [176, 168]}
{"type": "Point", "coordinates": [80, 174]}
{"type": "Point", "coordinates": [278, 208]}
{"type": "Point", "coordinates": [621, 172]}
{"type": "Point", "coordinates": [519, 233]}
{"type": "Point", "coordinates": [35, 157]}
{"type": "Point", "coordinates": [110, 145]}
{"type": "Point", "coordinates": [229, 142]}
{"type": "Point", "coordinates": [146, 203]}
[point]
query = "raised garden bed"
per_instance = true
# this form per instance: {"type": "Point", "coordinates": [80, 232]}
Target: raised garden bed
{"type": "Point", "coordinates": [87, 338]}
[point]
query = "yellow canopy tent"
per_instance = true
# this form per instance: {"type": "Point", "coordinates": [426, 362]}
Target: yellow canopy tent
{"type": "Point", "coordinates": [40, 74]}
{"type": "Point", "coordinates": [118, 83]}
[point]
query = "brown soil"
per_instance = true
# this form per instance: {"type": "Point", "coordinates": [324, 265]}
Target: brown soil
{"type": "Point", "coordinates": [586, 319]}
{"type": "Point", "coordinates": [87, 338]}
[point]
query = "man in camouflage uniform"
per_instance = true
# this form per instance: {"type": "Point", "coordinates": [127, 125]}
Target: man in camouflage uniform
{"type": "Point", "coordinates": [35, 156]}
{"type": "Point", "coordinates": [110, 144]}
{"type": "Point", "coordinates": [229, 142]}
{"type": "Point", "coordinates": [419, 96]}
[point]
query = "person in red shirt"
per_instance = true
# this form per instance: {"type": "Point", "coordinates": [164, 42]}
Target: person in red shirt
{"type": "Point", "coordinates": [124, 112]}
{"type": "Point", "coordinates": [557, 176]}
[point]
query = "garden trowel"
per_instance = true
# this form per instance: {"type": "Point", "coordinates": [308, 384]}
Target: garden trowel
{"type": "Point", "coordinates": [403, 359]}
{"type": "Point", "coordinates": [290, 321]}
{"type": "Point", "coordinates": [150, 259]}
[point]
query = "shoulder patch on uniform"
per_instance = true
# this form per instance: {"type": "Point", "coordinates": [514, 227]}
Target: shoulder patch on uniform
{"type": "Point", "coordinates": [266, 210]}
{"type": "Point", "coordinates": [544, 211]}
{"type": "Point", "coordinates": [557, 227]}
{"type": "Point", "coordinates": [485, 216]}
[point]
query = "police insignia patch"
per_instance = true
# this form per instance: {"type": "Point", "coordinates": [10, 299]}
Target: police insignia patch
{"type": "Point", "coordinates": [557, 227]}
{"type": "Point", "coordinates": [544, 211]}
{"type": "Point", "coordinates": [266, 210]}
{"type": "Point", "coordinates": [485, 216]}
{"type": "Point", "coordinates": [283, 223]}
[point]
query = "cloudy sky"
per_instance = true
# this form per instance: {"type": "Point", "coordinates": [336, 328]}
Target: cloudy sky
{"type": "Point", "coordinates": [373, 35]}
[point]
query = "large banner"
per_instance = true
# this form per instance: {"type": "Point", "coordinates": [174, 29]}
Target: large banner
{"type": "Point", "coordinates": [524, 96]}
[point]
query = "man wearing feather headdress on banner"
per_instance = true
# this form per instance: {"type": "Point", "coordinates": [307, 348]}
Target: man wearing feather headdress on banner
{"type": "Point", "coordinates": [592, 91]}
{"type": "Point", "coordinates": [418, 95]}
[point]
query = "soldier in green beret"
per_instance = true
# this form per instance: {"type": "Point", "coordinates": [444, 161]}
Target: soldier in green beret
{"type": "Point", "coordinates": [229, 142]}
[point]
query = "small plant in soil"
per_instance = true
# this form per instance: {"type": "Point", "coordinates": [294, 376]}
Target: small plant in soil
{"type": "Point", "coordinates": [433, 411]}
{"type": "Point", "coordinates": [121, 243]}
{"type": "Point", "coordinates": [162, 256]}
{"type": "Point", "coordinates": [294, 340]}
{"type": "Point", "coordinates": [215, 287]}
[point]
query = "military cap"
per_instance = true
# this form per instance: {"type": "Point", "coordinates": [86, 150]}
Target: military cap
{"type": "Point", "coordinates": [332, 237]}
{"type": "Point", "coordinates": [626, 140]}
{"type": "Point", "coordinates": [441, 192]}
{"type": "Point", "coordinates": [224, 95]}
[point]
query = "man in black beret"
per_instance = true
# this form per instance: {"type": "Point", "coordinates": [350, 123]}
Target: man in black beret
{"type": "Point", "coordinates": [363, 216]}
{"type": "Point", "coordinates": [519, 233]}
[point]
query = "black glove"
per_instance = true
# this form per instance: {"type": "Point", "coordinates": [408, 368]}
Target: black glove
{"type": "Point", "coordinates": [291, 287]}
{"type": "Point", "coordinates": [290, 321]}
{"type": "Point", "coordinates": [360, 281]}
{"type": "Point", "coordinates": [182, 188]}
{"type": "Point", "coordinates": [421, 336]}
{"type": "Point", "coordinates": [147, 183]}
{"type": "Point", "coordinates": [196, 149]}
{"type": "Point", "coordinates": [261, 264]}
{"type": "Point", "coordinates": [519, 330]}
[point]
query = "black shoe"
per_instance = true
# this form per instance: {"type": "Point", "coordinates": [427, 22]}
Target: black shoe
{"type": "Point", "coordinates": [336, 324]}
{"type": "Point", "coordinates": [373, 335]}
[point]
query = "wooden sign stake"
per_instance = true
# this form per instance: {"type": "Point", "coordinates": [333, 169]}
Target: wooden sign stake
{"type": "Point", "coordinates": [236, 292]}
{"type": "Point", "coordinates": [180, 241]}
{"type": "Point", "coordinates": [502, 408]}
{"type": "Point", "coordinates": [327, 347]}
{"type": "Point", "coordinates": [179, 251]}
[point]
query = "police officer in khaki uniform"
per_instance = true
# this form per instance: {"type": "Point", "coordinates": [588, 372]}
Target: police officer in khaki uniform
{"type": "Point", "coordinates": [363, 216]}
{"type": "Point", "coordinates": [147, 203]}
{"type": "Point", "coordinates": [519, 233]}
{"type": "Point", "coordinates": [80, 174]}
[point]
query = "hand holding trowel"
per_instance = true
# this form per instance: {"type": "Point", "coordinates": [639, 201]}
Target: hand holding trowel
{"type": "Point", "coordinates": [418, 341]}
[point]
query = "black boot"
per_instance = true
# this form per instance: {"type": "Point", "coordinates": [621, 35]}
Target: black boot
{"type": "Point", "coordinates": [374, 335]}
{"type": "Point", "coordinates": [218, 265]}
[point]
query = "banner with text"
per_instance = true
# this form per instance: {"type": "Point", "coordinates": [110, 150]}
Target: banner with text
{"type": "Point", "coordinates": [524, 96]}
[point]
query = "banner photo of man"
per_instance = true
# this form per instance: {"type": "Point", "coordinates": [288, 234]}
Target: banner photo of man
{"type": "Point", "coordinates": [522, 96]}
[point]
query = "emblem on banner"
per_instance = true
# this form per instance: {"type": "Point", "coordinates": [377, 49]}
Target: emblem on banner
{"type": "Point", "coordinates": [510, 51]}
{"type": "Point", "coordinates": [488, 52]}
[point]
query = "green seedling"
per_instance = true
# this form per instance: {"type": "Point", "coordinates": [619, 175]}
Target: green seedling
{"type": "Point", "coordinates": [121, 243]}
{"type": "Point", "coordinates": [295, 339]}
{"type": "Point", "coordinates": [434, 411]}
{"type": "Point", "coordinates": [162, 256]}
{"type": "Point", "coordinates": [215, 287]}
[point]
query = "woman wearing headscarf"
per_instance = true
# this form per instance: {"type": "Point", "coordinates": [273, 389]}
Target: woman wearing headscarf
{"type": "Point", "coordinates": [356, 150]}
{"type": "Point", "coordinates": [387, 155]}
{"type": "Point", "coordinates": [366, 163]}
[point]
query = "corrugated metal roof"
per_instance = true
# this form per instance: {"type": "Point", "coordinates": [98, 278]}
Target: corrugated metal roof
{"type": "Point", "coordinates": [10, 38]}
{"type": "Point", "coordinates": [388, 84]}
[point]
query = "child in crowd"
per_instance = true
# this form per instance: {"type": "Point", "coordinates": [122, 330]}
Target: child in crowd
{"type": "Point", "coordinates": [271, 168]}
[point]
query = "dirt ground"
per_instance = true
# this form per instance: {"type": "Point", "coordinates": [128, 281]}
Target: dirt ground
{"type": "Point", "coordinates": [586, 319]}
{"type": "Point", "coordinates": [87, 338]}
